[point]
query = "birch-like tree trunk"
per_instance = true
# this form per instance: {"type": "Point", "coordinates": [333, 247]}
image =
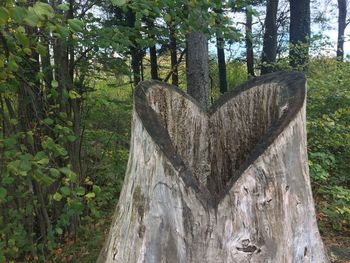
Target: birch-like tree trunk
{"type": "Point", "coordinates": [230, 184]}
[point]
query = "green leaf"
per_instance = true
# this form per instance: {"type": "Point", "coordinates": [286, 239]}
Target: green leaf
{"type": "Point", "coordinates": [90, 195]}
{"type": "Point", "coordinates": [4, 16]}
{"type": "Point", "coordinates": [54, 83]}
{"type": "Point", "coordinates": [72, 177]}
{"type": "Point", "coordinates": [62, 31]}
{"type": "Point", "coordinates": [28, 51]}
{"type": "Point", "coordinates": [80, 191]}
{"type": "Point", "coordinates": [71, 138]}
{"type": "Point", "coordinates": [63, 7]}
{"type": "Point", "coordinates": [43, 178]}
{"type": "Point", "coordinates": [10, 142]}
{"type": "Point", "coordinates": [40, 155]}
{"type": "Point", "coordinates": [3, 193]}
{"type": "Point", "coordinates": [96, 189]}
{"type": "Point", "coordinates": [74, 95]}
{"type": "Point", "coordinates": [12, 64]}
{"type": "Point", "coordinates": [43, 10]}
{"type": "Point", "coordinates": [41, 49]}
{"type": "Point", "coordinates": [22, 38]}
{"type": "Point", "coordinates": [167, 18]}
{"type": "Point", "coordinates": [75, 25]}
{"type": "Point", "coordinates": [32, 18]}
{"type": "Point", "coordinates": [65, 191]}
{"type": "Point", "coordinates": [25, 165]}
{"type": "Point", "coordinates": [48, 121]}
{"type": "Point", "coordinates": [8, 180]}
{"type": "Point", "coordinates": [57, 197]}
{"type": "Point", "coordinates": [54, 172]}
{"type": "Point", "coordinates": [59, 230]}
{"type": "Point", "coordinates": [65, 170]}
{"type": "Point", "coordinates": [43, 161]}
{"type": "Point", "coordinates": [119, 2]}
{"type": "Point", "coordinates": [30, 137]}
{"type": "Point", "coordinates": [18, 14]}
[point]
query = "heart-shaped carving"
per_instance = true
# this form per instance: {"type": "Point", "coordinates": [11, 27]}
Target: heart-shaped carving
{"type": "Point", "coordinates": [225, 185]}
{"type": "Point", "coordinates": [217, 145]}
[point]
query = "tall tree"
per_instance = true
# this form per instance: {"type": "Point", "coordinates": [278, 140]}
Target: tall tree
{"type": "Point", "coordinates": [135, 52]}
{"type": "Point", "coordinates": [197, 59]}
{"type": "Point", "coordinates": [152, 50]}
{"type": "Point", "coordinates": [342, 12]}
{"type": "Point", "coordinates": [299, 33]}
{"type": "Point", "coordinates": [197, 67]}
{"type": "Point", "coordinates": [220, 45]}
{"type": "Point", "coordinates": [173, 53]}
{"type": "Point", "coordinates": [249, 42]}
{"type": "Point", "coordinates": [269, 52]}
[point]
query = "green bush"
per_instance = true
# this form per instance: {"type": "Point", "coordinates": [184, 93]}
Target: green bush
{"type": "Point", "coordinates": [328, 123]}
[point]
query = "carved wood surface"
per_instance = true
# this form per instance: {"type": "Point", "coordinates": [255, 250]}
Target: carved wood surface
{"type": "Point", "coordinates": [229, 184]}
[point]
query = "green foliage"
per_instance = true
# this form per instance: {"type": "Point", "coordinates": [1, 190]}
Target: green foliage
{"type": "Point", "coordinates": [42, 196]}
{"type": "Point", "coordinates": [329, 141]}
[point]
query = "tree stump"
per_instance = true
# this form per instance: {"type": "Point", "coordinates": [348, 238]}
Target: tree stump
{"type": "Point", "coordinates": [230, 184]}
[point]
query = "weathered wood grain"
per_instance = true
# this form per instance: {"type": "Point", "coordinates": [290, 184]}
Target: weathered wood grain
{"type": "Point", "coordinates": [226, 185]}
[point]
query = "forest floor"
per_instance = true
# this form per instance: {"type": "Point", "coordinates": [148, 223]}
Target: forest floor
{"type": "Point", "coordinates": [338, 248]}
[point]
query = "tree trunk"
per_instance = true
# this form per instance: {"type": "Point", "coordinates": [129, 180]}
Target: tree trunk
{"type": "Point", "coordinates": [198, 68]}
{"type": "Point", "coordinates": [220, 45]}
{"type": "Point", "coordinates": [249, 43]}
{"type": "Point", "coordinates": [299, 33]}
{"type": "Point", "coordinates": [342, 8]}
{"type": "Point", "coordinates": [152, 50]}
{"type": "Point", "coordinates": [134, 49]}
{"type": "Point", "coordinates": [154, 63]}
{"type": "Point", "coordinates": [268, 57]}
{"type": "Point", "coordinates": [227, 185]}
{"type": "Point", "coordinates": [173, 55]}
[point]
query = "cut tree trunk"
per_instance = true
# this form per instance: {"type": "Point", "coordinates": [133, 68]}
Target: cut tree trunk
{"type": "Point", "coordinates": [229, 184]}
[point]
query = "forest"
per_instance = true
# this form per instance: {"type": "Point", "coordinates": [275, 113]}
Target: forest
{"type": "Point", "coordinates": [68, 71]}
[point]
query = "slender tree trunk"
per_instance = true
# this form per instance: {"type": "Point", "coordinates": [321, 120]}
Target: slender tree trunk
{"type": "Point", "coordinates": [249, 43]}
{"type": "Point", "coordinates": [342, 9]}
{"type": "Point", "coordinates": [222, 65]}
{"type": "Point", "coordinates": [268, 57]}
{"type": "Point", "coordinates": [134, 49]}
{"type": "Point", "coordinates": [299, 34]}
{"type": "Point", "coordinates": [197, 67]}
{"type": "Point", "coordinates": [152, 51]}
{"type": "Point", "coordinates": [142, 69]}
{"type": "Point", "coordinates": [220, 46]}
{"type": "Point", "coordinates": [154, 63]}
{"type": "Point", "coordinates": [173, 54]}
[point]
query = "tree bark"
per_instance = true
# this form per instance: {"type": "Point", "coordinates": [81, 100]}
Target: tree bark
{"type": "Point", "coordinates": [220, 46]}
{"type": "Point", "coordinates": [173, 54]}
{"type": "Point", "coordinates": [226, 185]}
{"type": "Point", "coordinates": [154, 63]}
{"type": "Point", "coordinates": [269, 53]}
{"type": "Point", "coordinates": [249, 43]}
{"type": "Point", "coordinates": [342, 9]}
{"type": "Point", "coordinates": [299, 34]}
{"type": "Point", "coordinates": [198, 67]}
{"type": "Point", "coordinates": [135, 52]}
{"type": "Point", "coordinates": [152, 50]}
